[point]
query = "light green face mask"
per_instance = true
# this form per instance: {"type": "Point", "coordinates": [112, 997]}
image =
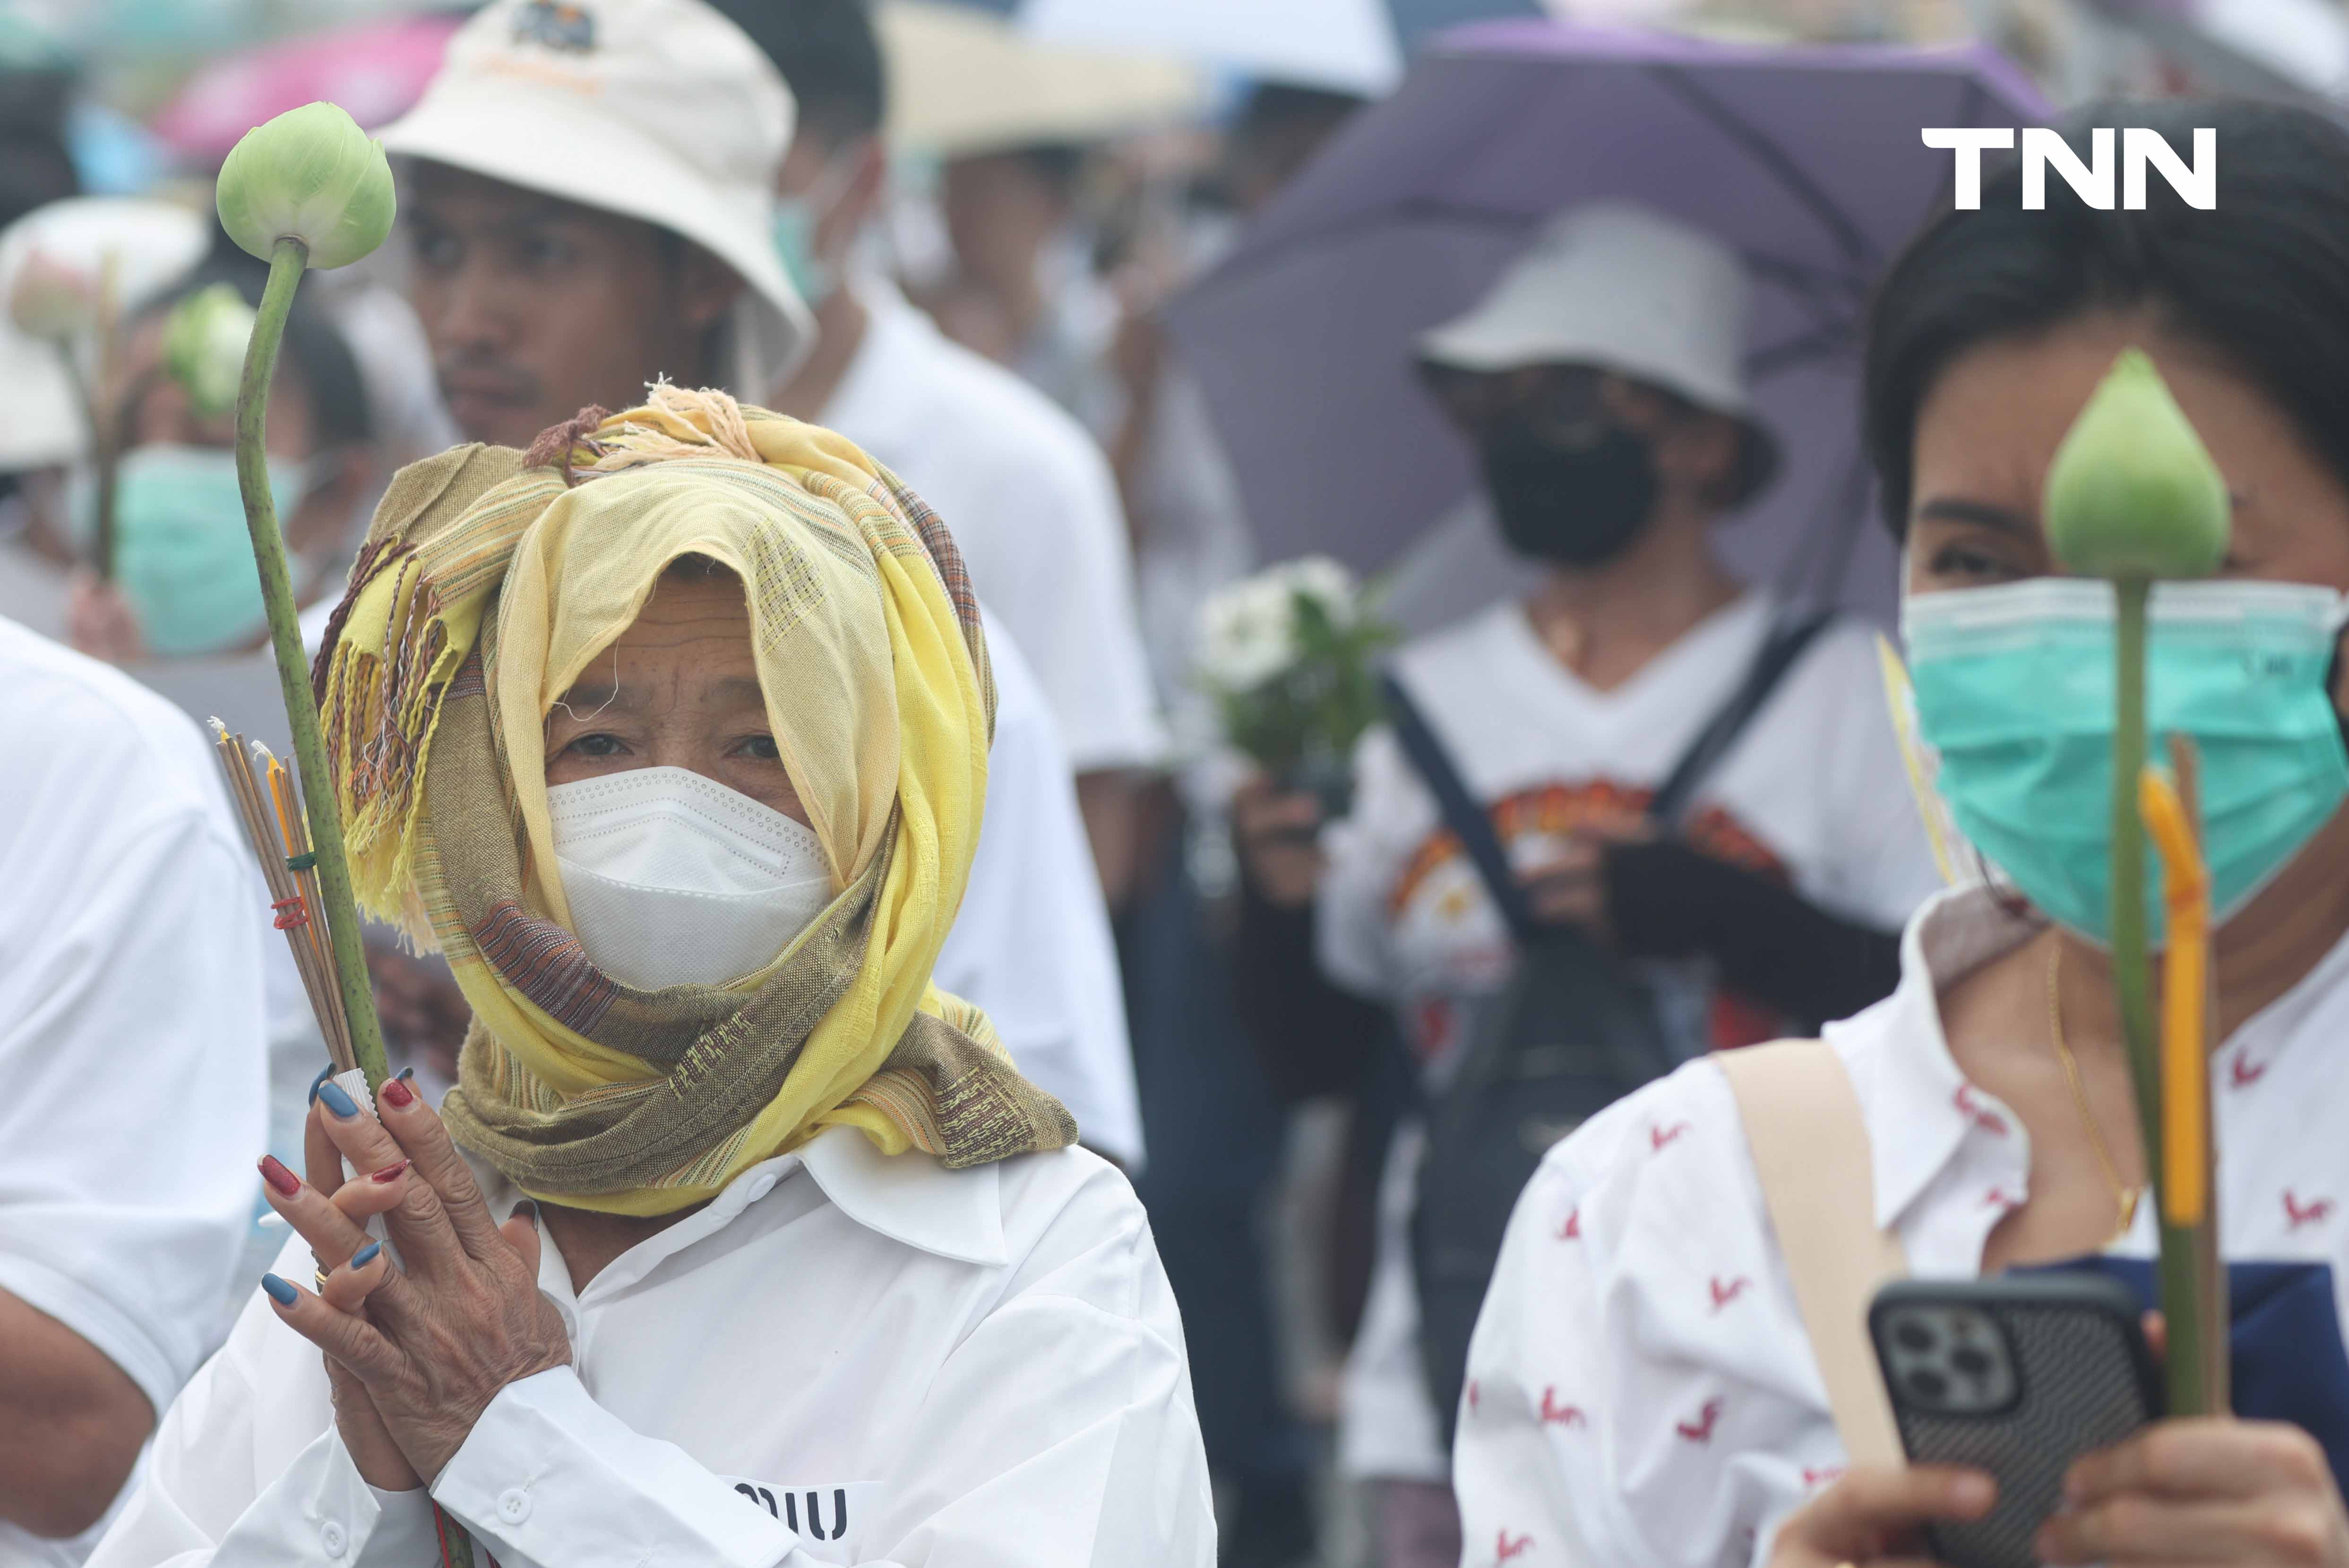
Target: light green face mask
{"type": "Point", "coordinates": [2014, 690]}
{"type": "Point", "coordinates": [181, 553]}
{"type": "Point", "coordinates": [794, 225]}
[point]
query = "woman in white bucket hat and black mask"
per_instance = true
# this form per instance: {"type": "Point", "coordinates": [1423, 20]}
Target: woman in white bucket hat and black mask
{"type": "Point", "coordinates": [1601, 382]}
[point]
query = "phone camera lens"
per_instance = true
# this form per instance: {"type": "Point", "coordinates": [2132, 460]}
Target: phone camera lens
{"type": "Point", "coordinates": [1929, 1387]}
{"type": "Point", "coordinates": [1971, 1361]}
{"type": "Point", "coordinates": [1910, 1334]}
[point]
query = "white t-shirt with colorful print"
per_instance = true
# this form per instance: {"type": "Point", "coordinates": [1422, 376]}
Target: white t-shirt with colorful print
{"type": "Point", "coordinates": [1815, 792]}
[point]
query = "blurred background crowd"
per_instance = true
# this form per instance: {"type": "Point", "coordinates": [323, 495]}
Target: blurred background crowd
{"type": "Point", "coordinates": [1129, 291]}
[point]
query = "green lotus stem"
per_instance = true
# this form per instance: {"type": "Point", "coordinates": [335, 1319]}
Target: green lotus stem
{"type": "Point", "coordinates": [2185, 1313]}
{"type": "Point", "coordinates": [2132, 965]}
{"type": "Point", "coordinates": [287, 260]}
{"type": "Point", "coordinates": [2182, 1308]}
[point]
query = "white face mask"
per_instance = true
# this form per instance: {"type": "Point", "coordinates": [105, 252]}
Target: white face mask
{"type": "Point", "coordinates": [675, 879]}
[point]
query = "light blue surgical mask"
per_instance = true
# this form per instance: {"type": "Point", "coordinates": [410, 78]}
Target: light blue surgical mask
{"type": "Point", "coordinates": [2014, 690]}
{"type": "Point", "coordinates": [796, 218]}
{"type": "Point", "coordinates": [181, 553]}
{"type": "Point", "coordinates": [796, 223]}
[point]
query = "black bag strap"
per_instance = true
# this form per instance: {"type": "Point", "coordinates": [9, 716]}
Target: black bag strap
{"type": "Point", "coordinates": [1789, 636]}
{"type": "Point", "coordinates": [1467, 820]}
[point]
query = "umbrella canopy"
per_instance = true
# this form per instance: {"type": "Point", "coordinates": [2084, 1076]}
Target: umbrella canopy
{"type": "Point", "coordinates": [376, 70]}
{"type": "Point", "coordinates": [1347, 46]}
{"type": "Point", "coordinates": [1806, 160]}
{"type": "Point", "coordinates": [964, 82]}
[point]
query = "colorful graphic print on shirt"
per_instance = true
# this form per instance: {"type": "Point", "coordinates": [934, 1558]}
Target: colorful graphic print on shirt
{"type": "Point", "coordinates": [1455, 949]}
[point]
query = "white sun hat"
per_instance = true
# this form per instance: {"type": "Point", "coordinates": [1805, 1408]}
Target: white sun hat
{"type": "Point", "coordinates": [1618, 286]}
{"type": "Point", "coordinates": [661, 111]}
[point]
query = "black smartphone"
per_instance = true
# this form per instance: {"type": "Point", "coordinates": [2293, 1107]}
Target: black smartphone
{"type": "Point", "coordinates": [2018, 1376]}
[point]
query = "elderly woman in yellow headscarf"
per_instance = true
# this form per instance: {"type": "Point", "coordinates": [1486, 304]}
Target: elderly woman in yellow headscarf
{"type": "Point", "coordinates": [673, 736]}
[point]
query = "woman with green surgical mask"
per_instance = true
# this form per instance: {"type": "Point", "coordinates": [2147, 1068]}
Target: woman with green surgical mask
{"type": "Point", "coordinates": [1644, 1387]}
{"type": "Point", "coordinates": [185, 584]}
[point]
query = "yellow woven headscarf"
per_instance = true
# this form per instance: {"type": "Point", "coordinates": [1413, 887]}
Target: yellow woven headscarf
{"type": "Point", "coordinates": [471, 616]}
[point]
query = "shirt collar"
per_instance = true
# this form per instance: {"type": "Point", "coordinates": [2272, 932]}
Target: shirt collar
{"type": "Point", "coordinates": [911, 1198]}
{"type": "Point", "coordinates": [2317, 1006]}
{"type": "Point", "coordinates": [1920, 1108]}
{"type": "Point", "coordinates": [1911, 1093]}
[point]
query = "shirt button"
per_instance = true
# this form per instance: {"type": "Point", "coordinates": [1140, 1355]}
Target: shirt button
{"type": "Point", "coordinates": [332, 1539]}
{"type": "Point", "coordinates": [513, 1505]}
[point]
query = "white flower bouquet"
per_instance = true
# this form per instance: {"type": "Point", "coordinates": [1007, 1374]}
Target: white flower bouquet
{"type": "Point", "coordinates": [1290, 656]}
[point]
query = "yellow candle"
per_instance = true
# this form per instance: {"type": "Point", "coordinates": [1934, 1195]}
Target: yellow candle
{"type": "Point", "coordinates": [2185, 988]}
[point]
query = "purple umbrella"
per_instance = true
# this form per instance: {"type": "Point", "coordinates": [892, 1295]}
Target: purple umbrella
{"type": "Point", "coordinates": [1806, 158]}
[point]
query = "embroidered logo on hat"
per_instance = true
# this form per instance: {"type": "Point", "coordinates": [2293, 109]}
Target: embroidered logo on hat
{"type": "Point", "coordinates": [568, 27]}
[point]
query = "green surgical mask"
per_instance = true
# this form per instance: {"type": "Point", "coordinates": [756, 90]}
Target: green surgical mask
{"type": "Point", "coordinates": [795, 221]}
{"type": "Point", "coordinates": [181, 553]}
{"type": "Point", "coordinates": [2014, 691]}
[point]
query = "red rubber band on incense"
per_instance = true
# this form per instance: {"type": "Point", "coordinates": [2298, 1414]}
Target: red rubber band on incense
{"type": "Point", "coordinates": [291, 912]}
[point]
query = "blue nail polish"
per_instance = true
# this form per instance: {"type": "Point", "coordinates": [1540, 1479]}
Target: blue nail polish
{"type": "Point", "coordinates": [324, 1072]}
{"type": "Point", "coordinates": [405, 1074]}
{"type": "Point", "coordinates": [341, 1104]}
{"type": "Point", "coordinates": [364, 1255]}
{"type": "Point", "coordinates": [279, 1291]}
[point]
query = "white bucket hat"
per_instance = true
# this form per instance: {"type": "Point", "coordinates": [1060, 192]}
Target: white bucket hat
{"type": "Point", "coordinates": [661, 111]}
{"type": "Point", "coordinates": [1621, 286]}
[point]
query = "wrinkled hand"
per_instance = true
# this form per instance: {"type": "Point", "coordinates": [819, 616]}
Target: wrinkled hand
{"type": "Point", "coordinates": [1571, 889]}
{"type": "Point", "coordinates": [99, 620]}
{"type": "Point", "coordinates": [1277, 837]}
{"type": "Point", "coordinates": [2213, 1489]}
{"type": "Point", "coordinates": [1869, 1517]}
{"type": "Point", "coordinates": [331, 1213]}
{"type": "Point", "coordinates": [429, 1344]}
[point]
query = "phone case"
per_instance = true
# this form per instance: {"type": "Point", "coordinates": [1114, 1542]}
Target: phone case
{"type": "Point", "coordinates": [2075, 1378]}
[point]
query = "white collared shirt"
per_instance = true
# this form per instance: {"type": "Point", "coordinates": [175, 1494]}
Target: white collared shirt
{"type": "Point", "coordinates": [132, 1097]}
{"type": "Point", "coordinates": [1641, 1389]}
{"type": "Point", "coordinates": [843, 1358]}
{"type": "Point", "coordinates": [1030, 501]}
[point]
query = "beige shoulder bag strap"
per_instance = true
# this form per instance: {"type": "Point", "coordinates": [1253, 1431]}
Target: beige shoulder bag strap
{"type": "Point", "coordinates": [1811, 1154]}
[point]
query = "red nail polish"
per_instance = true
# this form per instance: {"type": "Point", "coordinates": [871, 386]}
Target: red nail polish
{"type": "Point", "coordinates": [395, 1093]}
{"type": "Point", "coordinates": [389, 1172]}
{"type": "Point", "coordinates": [273, 1172]}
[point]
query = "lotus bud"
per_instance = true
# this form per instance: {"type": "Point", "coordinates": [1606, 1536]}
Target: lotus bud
{"type": "Point", "coordinates": [313, 175]}
{"type": "Point", "coordinates": [52, 299]}
{"type": "Point", "coordinates": [2133, 492]}
{"type": "Point", "coordinates": [204, 347]}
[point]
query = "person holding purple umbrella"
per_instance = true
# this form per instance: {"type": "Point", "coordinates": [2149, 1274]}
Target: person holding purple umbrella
{"type": "Point", "coordinates": [1601, 383]}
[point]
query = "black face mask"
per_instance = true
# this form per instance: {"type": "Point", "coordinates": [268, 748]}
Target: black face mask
{"type": "Point", "coordinates": [1579, 506]}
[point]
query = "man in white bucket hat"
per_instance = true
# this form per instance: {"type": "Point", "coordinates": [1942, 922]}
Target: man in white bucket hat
{"type": "Point", "coordinates": [1601, 383]}
{"type": "Point", "coordinates": [588, 205]}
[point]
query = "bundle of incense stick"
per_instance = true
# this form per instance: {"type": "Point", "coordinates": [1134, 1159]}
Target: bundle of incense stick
{"type": "Point", "coordinates": [280, 835]}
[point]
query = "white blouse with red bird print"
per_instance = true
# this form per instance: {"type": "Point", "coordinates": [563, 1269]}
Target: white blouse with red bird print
{"type": "Point", "coordinates": [1641, 1387]}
